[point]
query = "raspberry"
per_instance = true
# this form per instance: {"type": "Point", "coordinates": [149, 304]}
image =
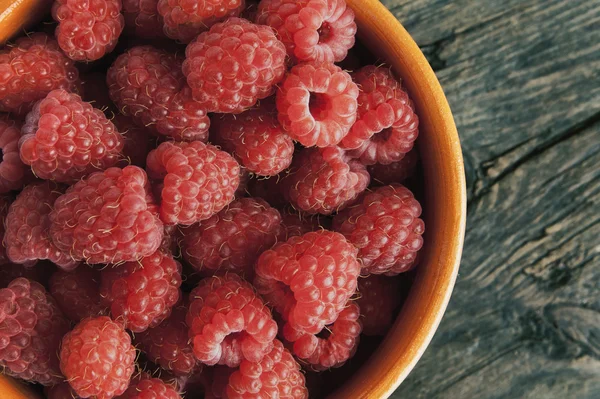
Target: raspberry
{"type": "Point", "coordinates": [27, 235]}
{"type": "Point", "coordinates": [5, 202]}
{"type": "Point", "coordinates": [340, 345]}
{"type": "Point", "coordinates": [385, 227]}
{"type": "Point", "coordinates": [317, 104]}
{"type": "Point", "coordinates": [13, 172]}
{"type": "Point", "coordinates": [308, 279]}
{"type": "Point", "coordinates": [276, 376]}
{"type": "Point", "coordinates": [168, 346]}
{"type": "Point", "coordinates": [65, 138]}
{"type": "Point", "coordinates": [233, 65]}
{"type": "Point", "coordinates": [40, 273]}
{"type": "Point", "coordinates": [232, 240]}
{"type": "Point", "coordinates": [386, 126]}
{"type": "Point", "coordinates": [108, 217]}
{"type": "Point", "coordinates": [324, 180]}
{"type": "Point", "coordinates": [198, 180]}
{"type": "Point", "coordinates": [137, 142]}
{"type": "Point", "coordinates": [31, 69]}
{"type": "Point", "coordinates": [257, 140]}
{"type": "Point", "coordinates": [379, 296]}
{"type": "Point", "coordinates": [87, 30]}
{"type": "Point", "coordinates": [229, 322]}
{"type": "Point", "coordinates": [60, 391]}
{"type": "Point", "coordinates": [184, 20]}
{"type": "Point", "coordinates": [77, 293]}
{"type": "Point", "coordinates": [31, 326]}
{"type": "Point", "coordinates": [142, 18]}
{"type": "Point", "coordinates": [141, 294]}
{"type": "Point", "coordinates": [312, 30]}
{"type": "Point", "coordinates": [152, 388]}
{"type": "Point", "coordinates": [97, 358]}
{"type": "Point", "coordinates": [396, 172]}
{"type": "Point", "coordinates": [147, 84]}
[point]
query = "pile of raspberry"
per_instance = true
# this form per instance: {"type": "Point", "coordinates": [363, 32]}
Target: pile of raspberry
{"type": "Point", "coordinates": [228, 219]}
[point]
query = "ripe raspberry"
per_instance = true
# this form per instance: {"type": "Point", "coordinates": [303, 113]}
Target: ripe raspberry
{"type": "Point", "coordinates": [386, 126]}
{"type": "Point", "coordinates": [378, 298]}
{"type": "Point", "coordinates": [13, 172]}
{"type": "Point", "coordinates": [87, 30]}
{"type": "Point", "coordinates": [233, 65]}
{"type": "Point", "coordinates": [198, 180]}
{"type": "Point", "coordinates": [142, 18]}
{"type": "Point", "coordinates": [108, 217]}
{"type": "Point", "coordinates": [317, 104]}
{"type": "Point", "coordinates": [232, 240]}
{"type": "Point", "coordinates": [147, 84]}
{"type": "Point", "coordinates": [141, 294]}
{"type": "Point", "coordinates": [31, 326]}
{"type": "Point", "coordinates": [168, 345]}
{"type": "Point", "coordinates": [276, 376]}
{"type": "Point", "coordinates": [40, 272]}
{"type": "Point", "coordinates": [5, 202]}
{"type": "Point", "coordinates": [97, 358]}
{"type": "Point", "coordinates": [27, 235]}
{"type": "Point", "coordinates": [339, 345]}
{"type": "Point", "coordinates": [77, 293]}
{"type": "Point", "coordinates": [396, 172]}
{"type": "Point", "coordinates": [229, 322]}
{"type": "Point", "coordinates": [308, 279]}
{"type": "Point", "coordinates": [137, 141]}
{"type": "Point", "coordinates": [152, 388]}
{"type": "Point", "coordinates": [65, 138]}
{"type": "Point", "coordinates": [385, 227]}
{"type": "Point", "coordinates": [324, 180]}
{"type": "Point", "coordinates": [184, 20]}
{"type": "Point", "coordinates": [256, 139]}
{"type": "Point", "coordinates": [61, 391]}
{"type": "Point", "coordinates": [312, 30]}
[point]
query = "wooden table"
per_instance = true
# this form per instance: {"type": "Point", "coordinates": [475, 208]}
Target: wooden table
{"type": "Point", "coordinates": [523, 81]}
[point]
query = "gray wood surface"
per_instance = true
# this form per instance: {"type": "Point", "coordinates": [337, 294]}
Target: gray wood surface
{"type": "Point", "coordinates": [523, 80]}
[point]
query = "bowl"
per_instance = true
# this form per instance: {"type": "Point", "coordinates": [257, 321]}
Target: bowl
{"type": "Point", "coordinates": [445, 203]}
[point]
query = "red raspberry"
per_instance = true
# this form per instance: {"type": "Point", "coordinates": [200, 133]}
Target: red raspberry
{"type": "Point", "coordinates": [276, 376]}
{"type": "Point", "coordinates": [232, 240]}
{"type": "Point", "coordinates": [61, 391]}
{"type": "Point", "coordinates": [312, 30]}
{"type": "Point", "coordinates": [152, 388]}
{"type": "Point", "coordinates": [137, 142]}
{"type": "Point", "coordinates": [198, 180]}
{"type": "Point", "coordinates": [40, 273]}
{"type": "Point", "coordinates": [387, 126]}
{"type": "Point", "coordinates": [168, 345]}
{"type": "Point", "coordinates": [385, 227]}
{"type": "Point", "coordinates": [317, 104]}
{"type": "Point", "coordinates": [233, 65]}
{"type": "Point", "coordinates": [324, 180]}
{"type": "Point", "coordinates": [396, 172]}
{"type": "Point", "coordinates": [308, 279]}
{"type": "Point", "coordinates": [87, 30]}
{"type": "Point", "coordinates": [257, 141]}
{"type": "Point", "coordinates": [142, 18]}
{"type": "Point", "coordinates": [108, 217]}
{"type": "Point", "coordinates": [65, 138]}
{"type": "Point", "coordinates": [141, 294]}
{"type": "Point", "coordinates": [229, 322]}
{"type": "Point", "coordinates": [97, 358]}
{"type": "Point", "coordinates": [5, 202]}
{"type": "Point", "coordinates": [339, 345]}
{"type": "Point", "coordinates": [378, 298]}
{"type": "Point", "coordinates": [77, 293]}
{"type": "Point", "coordinates": [13, 172]}
{"type": "Point", "coordinates": [27, 235]}
{"type": "Point", "coordinates": [30, 332]}
{"type": "Point", "coordinates": [184, 20]}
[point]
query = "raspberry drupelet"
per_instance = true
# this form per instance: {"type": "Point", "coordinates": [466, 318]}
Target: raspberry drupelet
{"type": "Point", "coordinates": [27, 236]}
{"type": "Point", "coordinates": [232, 240]}
{"type": "Point", "coordinates": [30, 69]}
{"type": "Point", "coordinates": [195, 180]}
{"type": "Point", "coordinates": [147, 85]}
{"type": "Point", "coordinates": [150, 388]}
{"type": "Point", "coordinates": [233, 65]}
{"type": "Point", "coordinates": [77, 293]}
{"type": "Point", "coordinates": [387, 126]}
{"type": "Point", "coordinates": [87, 30]}
{"type": "Point", "coordinates": [378, 298]}
{"type": "Point", "coordinates": [312, 30]}
{"type": "Point", "coordinates": [317, 104]}
{"type": "Point", "coordinates": [229, 322]}
{"type": "Point", "coordinates": [65, 138]}
{"type": "Point", "coordinates": [13, 173]}
{"type": "Point", "coordinates": [32, 327]}
{"type": "Point", "coordinates": [395, 172]}
{"type": "Point", "coordinates": [324, 180]}
{"type": "Point", "coordinates": [142, 18]}
{"type": "Point", "coordinates": [108, 217]}
{"type": "Point", "coordinates": [308, 279]}
{"type": "Point", "coordinates": [385, 227]}
{"type": "Point", "coordinates": [142, 293]}
{"type": "Point", "coordinates": [97, 358]}
{"type": "Point", "coordinates": [184, 20]}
